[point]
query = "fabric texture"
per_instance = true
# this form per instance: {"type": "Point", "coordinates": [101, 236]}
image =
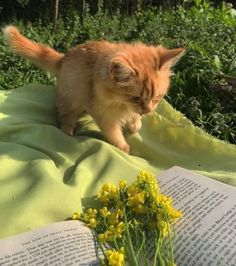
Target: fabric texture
{"type": "Point", "coordinates": [47, 175]}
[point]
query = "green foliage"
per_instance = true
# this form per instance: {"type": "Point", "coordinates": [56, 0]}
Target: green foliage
{"type": "Point", "coordinates": [31, 10]}
{"type": "Point", "coordinates": [23, 3]}
{"type": "Point", "coordinates": [198, 89]}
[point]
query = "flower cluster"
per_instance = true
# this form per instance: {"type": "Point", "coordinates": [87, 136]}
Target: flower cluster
{"type": "Point", "coordinates": [127, 215]}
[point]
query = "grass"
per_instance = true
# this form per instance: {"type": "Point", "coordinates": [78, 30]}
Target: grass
{"type": "Point", "coordinates": [200, 88]}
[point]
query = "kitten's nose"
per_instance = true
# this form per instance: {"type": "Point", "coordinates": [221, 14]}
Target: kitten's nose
{"type": "Point", "coordinates": [146, 109]}
{"type": "Point", "coordinates": [143, 113]}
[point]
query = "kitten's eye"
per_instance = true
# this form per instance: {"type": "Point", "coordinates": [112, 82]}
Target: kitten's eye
{"type": "Point", "coordinates": [154, 101]}
{"type": "Point", "coordinates": [136, 99]}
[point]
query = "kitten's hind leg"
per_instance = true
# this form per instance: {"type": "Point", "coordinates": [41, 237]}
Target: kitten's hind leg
{"type": "Point", "coordinates": [67, 123]}
{"type": "Point", "coordinates": [67, 119]}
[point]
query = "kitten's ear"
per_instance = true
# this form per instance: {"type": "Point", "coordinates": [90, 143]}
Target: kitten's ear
{"type": "Point", "coordinates": [121, 71]}
{"type": "Point", "coordinates": [169, 57]}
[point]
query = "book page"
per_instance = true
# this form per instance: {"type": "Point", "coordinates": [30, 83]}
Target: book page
{"type": "Point", "coordinates": [64, 243]}
{"type": "Point", "coordinates": [206, 234]}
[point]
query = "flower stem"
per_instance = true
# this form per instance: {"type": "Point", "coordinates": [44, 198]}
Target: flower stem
{"type": "Point", "coordinates": [102, 248]}
{"type": "Point", "coordinates": [157, 245]}
{"type": "Point", "coordinates": [170, 243]}
{"type": "Point", "coordinates": [134, 261]}
{"type": "Point", "coordinates": [160, 260]}
{"type": "Point", "coordinates": [115, 243]}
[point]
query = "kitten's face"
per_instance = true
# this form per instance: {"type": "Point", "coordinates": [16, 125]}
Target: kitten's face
{"type": "Point", "coordinates": [142, 81]}
{"type": "Point", "coordinates": [144, 96]}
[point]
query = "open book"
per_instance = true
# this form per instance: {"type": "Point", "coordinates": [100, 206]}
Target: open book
{"type": "Point", "coordinates": [205, 235]}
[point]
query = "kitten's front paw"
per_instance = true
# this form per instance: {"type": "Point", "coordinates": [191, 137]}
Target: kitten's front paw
{"type": "Point", "coordinates": [67, 130]}
{"type": "Point", "coordinates": [134, 126]}
{"type": "Point", "coordinates": [124, 148]}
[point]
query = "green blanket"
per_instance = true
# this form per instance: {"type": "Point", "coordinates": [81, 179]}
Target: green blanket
{"type": "Point", "coordinates": [46, 175]}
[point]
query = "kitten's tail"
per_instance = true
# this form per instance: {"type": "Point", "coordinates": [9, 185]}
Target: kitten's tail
{"type": "Point", "coordinates": [41, 55]}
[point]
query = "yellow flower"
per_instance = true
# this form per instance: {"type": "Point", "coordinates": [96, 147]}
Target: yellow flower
{"type": "Point", "coordinates": [122, 184]}
{"type": "Point", "coordinates": [139, 209]}
{"type": "Point", "coordinates": [122, 250]}
{"type": "Point", "coordinates": [120, 228]}
{"type": "Point", "coordinates": [92, 223]}
{"type": "Point", "coordinates": [161, 198]}
{"type": "Point", "coordinates": [136, 202]}
{"type": "Point", "coordinates": [129, 202]}
{"type": "Point", "coordinates": [106, 236]}
{"type": "Point", "coordinates": [76, 216]}
{"type": "Point", "coordinates": [113, 190]}
{"type": "Point", "coordinates": [164, 227]}
{"type": "Point", "coordinates": [117, 230]}
{"type": "Point", "coordinates": [90, 213]}
{"type": "Point", "coordinates": [104, 212]}
{"type": "Point", "coordinates": [136, 199]}
{"type": "Point", "coordinates": [114, 258]}
{"type": "Point", "coordinates": [111, 227]}
{"type": "Point", "coordinates": [114, 217]}
{"type": "Point", "coordinates": [147, 177]}
{"type": "Point", "coordinates": [173, 213]}
{"type": "Point", "coordinates": [107, 193]}
{"type": "Point", "coordinates": [166, 203]}
{"type": "Point", "coordinates": [153, 191]}
{"type": "Point", "coordinates": [160, 225]}
{"type": "Point", "coordinates": [104, 198]}
{"type": "Point", "coordinates": [133, 189]}
{"type": "Point", "coordinates": [119, 213]}
{"type": "Point", "coordinates": [150, 182]}
{"type": "Point", "coordinates": [102, 238]}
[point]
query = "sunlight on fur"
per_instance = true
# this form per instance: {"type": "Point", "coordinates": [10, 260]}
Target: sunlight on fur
{"type": "Point", "coordinates": [116, 83]}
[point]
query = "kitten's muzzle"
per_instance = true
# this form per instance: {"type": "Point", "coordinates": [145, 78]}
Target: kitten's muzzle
{"type": "Point", "coordinates": [144, 112]}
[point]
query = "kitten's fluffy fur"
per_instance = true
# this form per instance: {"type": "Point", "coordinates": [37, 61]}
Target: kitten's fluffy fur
{"type": "Point", "coordinates": [115, 83]}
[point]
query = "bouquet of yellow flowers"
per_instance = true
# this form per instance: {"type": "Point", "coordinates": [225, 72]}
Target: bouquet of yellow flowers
{"type": "Point", "coordinates": [133, 224]}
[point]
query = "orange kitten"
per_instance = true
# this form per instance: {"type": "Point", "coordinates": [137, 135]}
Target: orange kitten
{"type": "Point", "coordinates": [116, 83]}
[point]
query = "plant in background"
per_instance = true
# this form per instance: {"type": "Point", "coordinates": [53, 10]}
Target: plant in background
{"type": "Point", "coordinates": [133, 224]}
